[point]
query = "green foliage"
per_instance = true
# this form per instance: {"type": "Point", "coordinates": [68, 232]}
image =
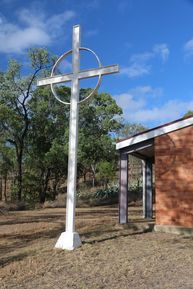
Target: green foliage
{"type": "Point", "coordinates": [15, 94]}
{"type": "Point", "coordinates": [188, 113]}
{"type": "Point", "coordinates": [106, 171]}
{"type": "Point", "coordinates": [7, 159]}
{"type": "Point", "coordinates": [107, 194]}
{"type": "Point", "coordinates": [30, 187]}
{"type": "Point", "coordinates": [98, 120]}
{"type": "Point", "coordinates": [48, 144]}
{"type": "Point", "coordinates": [34, 132]}
{"type": "Point", "coordinates": [130, 129]}
{"type": "Point", "coordinates": [40, 58]}
{"type": "Point", "coordinates": [99, 197]}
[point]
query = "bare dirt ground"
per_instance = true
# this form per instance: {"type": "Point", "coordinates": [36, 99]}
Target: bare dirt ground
{"type": "Point", "coordinates": [112, 256]}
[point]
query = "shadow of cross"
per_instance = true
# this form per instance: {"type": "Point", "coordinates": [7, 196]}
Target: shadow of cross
{"type": "Point", "coordinates": [70, 239]}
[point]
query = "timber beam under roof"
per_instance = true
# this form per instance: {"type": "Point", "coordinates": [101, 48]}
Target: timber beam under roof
{"type": "Point", "coordinates": [133, 148]}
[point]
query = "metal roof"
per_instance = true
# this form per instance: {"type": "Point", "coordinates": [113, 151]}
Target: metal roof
{"type": "Point", "coordinates": [155, 132]}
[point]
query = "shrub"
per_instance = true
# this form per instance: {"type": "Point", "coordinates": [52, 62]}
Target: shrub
{"type": "Point", "coordinates": [109, 193]}
{"type": "Point", "coordinates": [13, 206]}
{"type": "Point", "coordinates": [60, 202]}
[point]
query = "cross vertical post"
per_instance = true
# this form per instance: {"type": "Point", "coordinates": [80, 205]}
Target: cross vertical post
{"type": "Point", "coordinates": [70, 239]}
{"type": "Point", "coordinates": [73, 135]}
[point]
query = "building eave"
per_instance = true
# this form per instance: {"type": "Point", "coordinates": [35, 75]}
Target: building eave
{"type": "Point", "coordinates": [158, 131]}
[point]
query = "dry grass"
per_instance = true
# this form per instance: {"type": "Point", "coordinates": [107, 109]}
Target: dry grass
{"type": "Point", "coordinates": [112, 256]}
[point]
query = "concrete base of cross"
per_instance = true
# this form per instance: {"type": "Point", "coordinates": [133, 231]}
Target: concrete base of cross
{"type": "Point", "coordinates": [68, 241]}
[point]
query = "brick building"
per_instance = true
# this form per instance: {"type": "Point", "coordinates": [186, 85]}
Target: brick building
{"type": "Point", "coordinates": [168, 151]}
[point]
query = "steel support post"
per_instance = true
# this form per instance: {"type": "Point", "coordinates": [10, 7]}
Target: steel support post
{"type": "Point", "coordinates": [147, 190]}
{"type": "Point", "coordinates": [123, 189]}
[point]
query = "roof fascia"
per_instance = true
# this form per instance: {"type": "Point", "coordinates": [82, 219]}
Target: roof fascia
{"type": "Point", "coordinates": [154, 133]}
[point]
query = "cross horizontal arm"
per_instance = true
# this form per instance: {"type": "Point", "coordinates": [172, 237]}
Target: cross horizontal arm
{"type": "Point", "coordinates": [98, 71]}
{"type": "Point", "coordinates": [81, 75]}
{"type": "Point", "coordinates": [55, 79]}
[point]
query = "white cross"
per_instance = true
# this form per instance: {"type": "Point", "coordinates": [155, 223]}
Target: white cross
{"type": "Point", "coordinates": [70, 239]}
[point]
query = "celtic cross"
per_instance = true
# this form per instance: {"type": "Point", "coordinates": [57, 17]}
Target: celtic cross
{"type": "Point", "coordinates": [70, 239]}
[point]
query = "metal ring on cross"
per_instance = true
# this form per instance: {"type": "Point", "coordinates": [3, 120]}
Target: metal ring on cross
{"type": "Point", "coordinates": [60, 59]}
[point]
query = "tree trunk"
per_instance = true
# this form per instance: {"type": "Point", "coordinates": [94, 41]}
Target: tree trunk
{"type": "Point", "coordinates": [55, 186]}
{"type": "Point", "coordinates": [19, 176]}
{"type": "Point", "coordinates": [93, 168]}
{"type": "Point", "coordinates": [42, 195]}
{"type": "Point", "coordinates": [93, 181]}
{"type": "Point", "coordinates": [84, 176]}
{"type": "Point", "coordinates": [5, 189]}
{"type": "Point", "coordinates": [1, 189]}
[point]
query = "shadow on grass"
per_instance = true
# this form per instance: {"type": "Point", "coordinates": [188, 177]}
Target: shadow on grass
{"type": "Point", "coordinates": [99, 212]}
{"type": "Point", "coordinates": [142, 221]}
{"type": "Point", "coordinates": [21, 241]}
{"type": "Point", "coordinates": [109, 212]}
{"type": "Point", "coordinates": [7, 260]}
{"type": "Point", "coordinates": [33, 219]}
{"type": "Point", "coordinates": [51, 217]}
{"type": "Point", "coordinates": [38, 235]}
{"type": "Point", "coordinates": [124, 233]}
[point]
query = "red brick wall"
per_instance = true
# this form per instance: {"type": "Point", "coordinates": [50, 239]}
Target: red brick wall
{"type": "Point", "coordinates": [174, 178]}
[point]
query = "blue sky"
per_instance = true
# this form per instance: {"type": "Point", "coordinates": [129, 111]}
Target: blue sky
{"type": "Point", "coordinates": [151, 40]}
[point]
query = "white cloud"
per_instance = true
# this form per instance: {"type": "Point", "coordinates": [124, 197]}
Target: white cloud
{"type": "Point", "coordinates": [170, 110]}
{"type": "Point", "coordinates": [140, 105]}
{"type": "Point", "coordinates": [94, 4]}
{"type": "Point", "coordinates": [162, 50]}
{"type": "Point", "coordinates": [141, 57]}
{"type": "Point", "coordinates": [32, 29]}
{"type": "Point", "coordinates": [57, 22]}
{"type": "Point", "coordinates": [136, 69]}
{"type": "Point", "coordinates": [146, 91]}
{"type": "Point", "coordinates": [140, 63]}
{"type": "Point", "coordinates": [129, 102]}
{"type": "Point", "coordinates": [188, 48]}
{"type": "Point", "coordinates": [136, 98]}
{"type": "Point", "coordinates": [91, 32]}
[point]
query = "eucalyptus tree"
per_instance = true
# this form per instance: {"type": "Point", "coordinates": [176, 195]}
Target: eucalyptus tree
{"type": "Point", "coordinates": [99, 119]}
{"type": "Point", "coordinates": [15, 92]}
{"type": "Point", "coordinates": [35, 126]}
{"type": "Point", "coordinates": [48, 139]}
{"type": "Point", "coordinates": [129, 129]}
{"type": "Point", "coordinates": [7, 161]}
{"type": "Point", "coordinates": [188, 113]}
{"type": "Point", "coordinates": [48, 152]}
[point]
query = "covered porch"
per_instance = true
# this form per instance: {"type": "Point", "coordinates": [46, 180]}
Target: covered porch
{"type": "Point", "coordinates": [167, 148]}
{"type": "Point", "coordinates": [143, 150]}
